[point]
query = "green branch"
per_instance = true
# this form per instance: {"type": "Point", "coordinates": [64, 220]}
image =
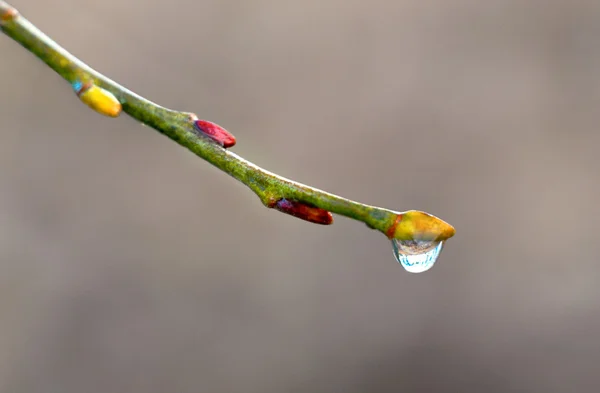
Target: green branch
{"type": "Point", "coordinates": [274, 191]}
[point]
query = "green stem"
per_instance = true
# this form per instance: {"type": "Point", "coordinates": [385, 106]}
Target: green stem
{"type": "Point", "coordinates": [178, 126]}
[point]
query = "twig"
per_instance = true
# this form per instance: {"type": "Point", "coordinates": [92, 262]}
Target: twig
{"type": "Point", "coordinates": [209, 142]}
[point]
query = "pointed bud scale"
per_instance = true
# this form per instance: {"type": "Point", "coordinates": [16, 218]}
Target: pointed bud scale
{"type": "Point", "coordinates": [304, 211]}
{"type": "Point", "coordinates": [215, 132]}
{"type": "Point", "coordinates": [100, 100]}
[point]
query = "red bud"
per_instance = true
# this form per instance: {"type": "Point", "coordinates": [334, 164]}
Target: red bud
{"type": "Point", "coordinates": [215, 132]}
{"type": "Point", "coordinates": [304, 211]}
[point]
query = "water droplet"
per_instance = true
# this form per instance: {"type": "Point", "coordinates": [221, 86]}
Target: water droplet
{"type": "Point", "coordinates": [417, 256]}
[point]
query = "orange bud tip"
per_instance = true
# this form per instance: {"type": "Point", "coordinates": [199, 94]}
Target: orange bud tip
{"type": "Point", "coordinates": [215, 132]}
{"type": "Point", "coordinates": [7, 13]}
{"type": "Point", "coordinates": [304, 212]}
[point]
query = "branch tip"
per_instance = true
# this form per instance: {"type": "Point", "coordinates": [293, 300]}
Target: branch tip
{"type": "Point", "coordinates": [418, 225]}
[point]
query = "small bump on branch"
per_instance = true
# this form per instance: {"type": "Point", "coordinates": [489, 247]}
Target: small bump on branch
{"type": "Point", "coordinates": [7, 13]}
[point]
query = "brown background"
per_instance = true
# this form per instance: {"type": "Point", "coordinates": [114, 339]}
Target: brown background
{"type": "Point", "coordinates": [129, 265]}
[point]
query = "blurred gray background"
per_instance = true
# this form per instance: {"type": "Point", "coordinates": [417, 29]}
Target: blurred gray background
{"type": "Point", "coordinates": [129, 265]}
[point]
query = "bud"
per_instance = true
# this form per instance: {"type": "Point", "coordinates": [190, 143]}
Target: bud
{"type": "Point", "coordinates": [304, 211]}
{"type": "Point", "coordinates": [100, 100]}
{"type": "Point", "coordinates": [215, 132]}
{"type": "Point", "coordinates": [417, 225]}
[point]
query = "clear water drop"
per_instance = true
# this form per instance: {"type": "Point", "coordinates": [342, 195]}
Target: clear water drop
{"type": "Point", "coordinates": [417, 256]}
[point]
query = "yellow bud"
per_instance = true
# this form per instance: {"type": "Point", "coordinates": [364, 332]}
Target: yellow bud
{"type": "Point", "coordinates": [100, 100]}
{"type": "Point", "coordinates": [417, 225]}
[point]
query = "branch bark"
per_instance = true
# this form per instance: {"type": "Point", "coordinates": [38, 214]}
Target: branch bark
{"type": "Point", "coordinates": [274, 191]}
